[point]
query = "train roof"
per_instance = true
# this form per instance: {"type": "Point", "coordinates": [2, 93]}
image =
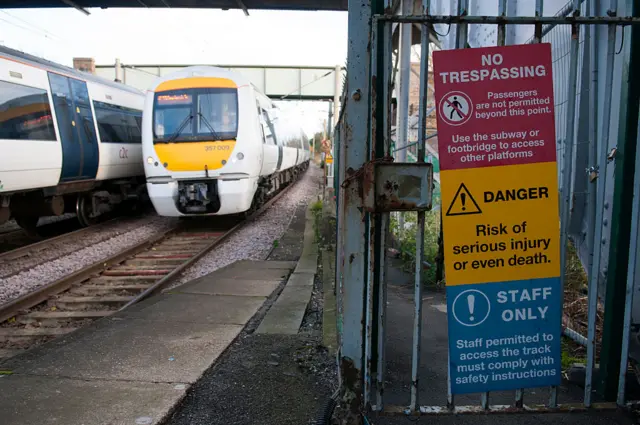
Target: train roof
{"type": "Point", "coordinates": [202, 71]}
{"type": "Point", "coordinates": [55, 67]}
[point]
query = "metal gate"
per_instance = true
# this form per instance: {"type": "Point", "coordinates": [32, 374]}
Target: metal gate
{"type": "Point", "coordinates": [592, 163]}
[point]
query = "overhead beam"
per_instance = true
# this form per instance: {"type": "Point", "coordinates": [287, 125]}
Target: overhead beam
{"type": "Point", "coordinates": [242, 6]}
{"type": "Point", "coordinates": [84, 5]}
{"type": "Point", "coordinates": [76, 6]}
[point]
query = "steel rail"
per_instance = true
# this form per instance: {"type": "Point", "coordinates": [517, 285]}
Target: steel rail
{"type": "Point", "coordinates": [24, 250]}
{"type": "Point", "coordinates": [58, 286]}
{"type": "Point", "coordinates": [45, 292]}
{"type": "Point", "coordinates": [175, 273]}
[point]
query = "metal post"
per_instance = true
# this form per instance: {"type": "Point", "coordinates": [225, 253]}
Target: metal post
{"type": "Point", "coordinates": [597, 245]}
{"type": "Point", "coordinates": [386, 69]}
{"type": "Point", "coordinates": [537, 35]}
{"type": "Point", "coordinates": [593, 144]}
{"type": "Point", "coordinates": [372, 225]}
{"type": "Point", "coordinates": [461, 43]}
{"type": "Point", "coordinates": [330, 136]}
{"type": "Point", "coordinates": [621, 207]}
{"type": "Point", "coordinates": [502, 11]}
{"type": "Point", "coordinates": [568, 163]}
{"type": "Point", "coordinates": [404, 76]}
{"type": "Point", "coordinates": [402, 91]}
{"type": "Point", "coordinates": [118, 71]}
{"type": "Point", "coordinates": [594, 203]}
{"type": "Point", "coordinates": [351, 236]}
{"type": "Point", "coordinates": [631, 276]}
{"type": "Point", "coordinates": [329, 122]}
{"type": "Point", "coordinates": [336, 93]}
{"type": "Point", "coordinates": [462, 30]}
{"type": "Point", "coordinates": [417, 297]}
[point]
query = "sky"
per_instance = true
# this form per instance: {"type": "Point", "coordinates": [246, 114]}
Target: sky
{"type": "Point", "coordinates": [183, 36]}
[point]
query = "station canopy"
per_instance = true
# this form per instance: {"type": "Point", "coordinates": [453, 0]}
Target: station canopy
{"type": "Point", "coordinates": [340, 5]}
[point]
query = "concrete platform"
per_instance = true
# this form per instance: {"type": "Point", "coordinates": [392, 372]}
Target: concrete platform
{"type": "Point", "coordinates": [135, 366]}
{"type": "Point", "coordinates": [136, 350]}
{"type": "Point", "coordinates": [286, 315]}
{"type": "Point", "coordinates": [238, 287]}
{"type": "Point", "coordinates": [30, 400]}
{"type": "Point", "coordinates": [199, 308]}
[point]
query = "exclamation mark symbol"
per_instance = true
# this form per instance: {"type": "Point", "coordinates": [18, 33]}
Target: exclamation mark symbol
{"type": "Point", "coordinates": [471, 300]}
{"type": "Point", "coordinates": [463, 198]}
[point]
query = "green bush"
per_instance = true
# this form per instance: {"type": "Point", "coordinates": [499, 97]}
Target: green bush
{"type": "Point", "coordinates": [406, 239]}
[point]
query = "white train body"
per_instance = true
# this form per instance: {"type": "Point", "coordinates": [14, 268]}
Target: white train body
{"type": "Point", "coordinates": [214, 145]}
{"type": "Point", "coordinates": [70, 141]}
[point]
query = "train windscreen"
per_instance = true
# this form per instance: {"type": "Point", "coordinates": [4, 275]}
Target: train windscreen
{"type": "Point", "coordinates": [200, 114]}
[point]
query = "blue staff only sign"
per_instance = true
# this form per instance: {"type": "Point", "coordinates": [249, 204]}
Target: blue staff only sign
{"type": "Point", "coordinates": [496, 136]}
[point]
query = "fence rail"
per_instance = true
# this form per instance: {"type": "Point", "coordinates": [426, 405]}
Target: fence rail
{"type": "Point", "coordinates": [583, 155]}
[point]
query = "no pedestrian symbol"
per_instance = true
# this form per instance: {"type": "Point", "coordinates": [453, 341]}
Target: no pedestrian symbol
{"type": "Point", "coordinates": [463, 203]}
{"type": "Point", "coordinates": [455, 108]}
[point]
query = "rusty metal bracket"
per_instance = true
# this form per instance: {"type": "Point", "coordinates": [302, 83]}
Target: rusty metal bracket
{"type": "Point", "coordinates": [390, 187]}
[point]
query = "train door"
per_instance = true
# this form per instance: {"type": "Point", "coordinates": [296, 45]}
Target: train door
{"type": "Point", "coordinates": [75, 124]}
{"type": "Point", "coordinates": [275, 139]}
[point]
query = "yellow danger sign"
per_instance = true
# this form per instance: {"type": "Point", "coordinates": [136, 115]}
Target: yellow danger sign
{"type": "Point", "coordinates": [329, 158]}
{"type": "Point", "coordinates": [501, 223]}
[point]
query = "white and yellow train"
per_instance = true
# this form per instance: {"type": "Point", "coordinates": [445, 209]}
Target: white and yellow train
{"type": "Point", "coordinates": [214, 145]}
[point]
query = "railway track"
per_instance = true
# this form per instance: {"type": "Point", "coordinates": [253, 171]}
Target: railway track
{"type": "Point", "coordinates": [16, 238]}
{"type": "Point", "coordinates": [16, 242]}
{"type": "Point", "coordinates": [108, 286]}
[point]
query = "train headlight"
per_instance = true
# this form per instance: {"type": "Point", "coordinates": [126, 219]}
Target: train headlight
{"type": "Point", "coordinates": [150, 160]}
{"type": "Point", "coordinates": [240, 156]}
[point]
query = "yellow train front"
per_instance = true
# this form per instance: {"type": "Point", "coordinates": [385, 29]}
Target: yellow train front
{"type": "Point", "coordinates": [214, 145]}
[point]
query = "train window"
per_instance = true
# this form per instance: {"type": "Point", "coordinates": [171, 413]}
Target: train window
{"type": "Point", "coordinates": [117, 124]}
{"type": "Point", "coordinates": [195, 114]}
{"type": "Point", "coordinates": [25, 113]}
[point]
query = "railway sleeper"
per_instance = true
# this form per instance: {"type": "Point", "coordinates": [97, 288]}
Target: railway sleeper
{"type": "Point", "coordinates": [146, 262]}
{"type": "Point", "coordinates": [137, 272]}
{"type": "Point", "coordinates": [7, 353]}
{"type": "Point", "coordinates": [121, 280]}
{"type": "Point", "coordinates": [53, 318]}
{"type": "Point", "coordinates": [175, 249]}
{"type": "Point", "coordinates": [87, 302]}
{"type": "Point", "coordinates": [21, 334]}
{"type": "Point", "coordinates": [201, 240]}
{"type": "Point", "coordinates": [160, 256]}
{"type": "Point", "coordinates": [147, 266]}
{"type": "Point", "coordinates": [109, 289]}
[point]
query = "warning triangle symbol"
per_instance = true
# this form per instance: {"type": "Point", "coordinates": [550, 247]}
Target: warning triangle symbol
{"type": "Point", "coordinates": [463, 203]}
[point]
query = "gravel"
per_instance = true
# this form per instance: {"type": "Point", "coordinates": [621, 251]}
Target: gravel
{"type": "Point", "coordinates": [60, 248]}
{"type": "Point", "coordinates": [255, 240]}
{"type": "Point", "coordinates": [19, 284]}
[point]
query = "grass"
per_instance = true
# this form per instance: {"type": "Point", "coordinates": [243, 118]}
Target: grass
{"type": "Point", "coordinates": [568, 356]}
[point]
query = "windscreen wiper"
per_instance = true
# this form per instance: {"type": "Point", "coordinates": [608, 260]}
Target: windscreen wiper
{"type": "Point", "coordinates": [206, 122]}
{"type": "Point", "coordinates": [186, 120]}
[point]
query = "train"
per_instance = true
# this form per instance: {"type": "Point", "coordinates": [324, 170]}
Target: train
{"type": "Point", "coordinates": [71, 142]}
{"type": "Point", "coordinates": [214, 145]}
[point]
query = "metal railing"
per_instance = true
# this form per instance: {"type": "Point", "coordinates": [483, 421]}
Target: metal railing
{"type": "Point", "coordinates": [575, 133]}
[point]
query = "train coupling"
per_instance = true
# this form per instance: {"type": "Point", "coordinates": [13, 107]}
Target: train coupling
{"type": "Point", "coordinates": [198, 197]}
